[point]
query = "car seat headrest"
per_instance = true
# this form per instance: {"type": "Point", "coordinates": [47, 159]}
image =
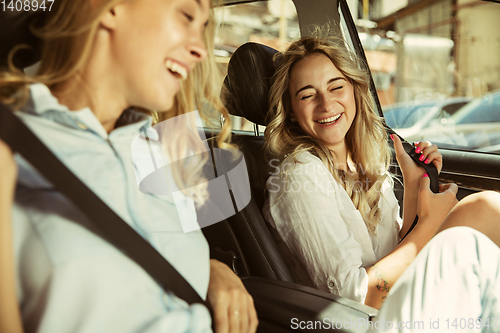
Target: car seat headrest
{"type": "Point", "coordinates": [246, 86]}
{"type": "Point", "coordinates": [15, 30]}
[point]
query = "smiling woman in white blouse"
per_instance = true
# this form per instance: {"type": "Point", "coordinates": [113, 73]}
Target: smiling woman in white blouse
{"type": "Point", "coordinates": [330, 195]}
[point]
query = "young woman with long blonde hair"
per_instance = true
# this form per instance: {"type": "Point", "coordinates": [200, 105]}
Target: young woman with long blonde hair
{"type": "Point", "coordinates": [108, 68]}
{"type": "Point", "coordinates": [330, 195]}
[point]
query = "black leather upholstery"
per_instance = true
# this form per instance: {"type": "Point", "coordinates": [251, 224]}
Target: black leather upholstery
{"type": "Point", "coordinates": [249, 224]}
{"type": "Point", "coordinates": [256, 249]}
{"type": "Point", "coordinates": [248, 80]}
{"type": "Point", "coordinates": [246, 88]}
{"type": "Point", "coordinates": [277, 302]}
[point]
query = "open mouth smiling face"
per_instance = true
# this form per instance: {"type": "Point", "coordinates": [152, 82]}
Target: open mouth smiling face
{"type": "Point", "coordinates": [330, 120]}
{"type": "Point", "coordinates": [176, 69]}
{"type": "Point", "coordinates": [322, 100]}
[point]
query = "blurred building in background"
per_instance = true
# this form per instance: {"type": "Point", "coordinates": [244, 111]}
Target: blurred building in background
{"type": "Point", "coordinates": [443, 47]}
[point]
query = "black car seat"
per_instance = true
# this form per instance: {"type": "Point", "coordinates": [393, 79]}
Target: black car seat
{"type": "Point", "coordinates": [245, 93]}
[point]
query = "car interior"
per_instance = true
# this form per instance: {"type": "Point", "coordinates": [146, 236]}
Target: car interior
{"type": "Point", "coordinates": [245, 94]}
{"type": "Point", "coordinates": [244, 241]}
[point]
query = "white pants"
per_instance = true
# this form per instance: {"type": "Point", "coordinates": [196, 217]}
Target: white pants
{"type": "Point", "coordinates": [453, 285]}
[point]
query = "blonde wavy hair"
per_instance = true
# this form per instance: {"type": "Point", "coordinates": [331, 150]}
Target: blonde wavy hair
{"type": "Point", "coordinates": [366, 140]}
{"type": "Point", "coordinates": [67, 35]}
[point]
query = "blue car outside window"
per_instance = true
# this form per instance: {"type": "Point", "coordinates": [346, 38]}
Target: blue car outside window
{"type": "Point", "coordinates": [484, 110]}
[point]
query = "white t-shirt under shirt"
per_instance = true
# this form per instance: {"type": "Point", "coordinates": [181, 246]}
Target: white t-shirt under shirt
{"type": "Point", "coordinates": [326, 242]}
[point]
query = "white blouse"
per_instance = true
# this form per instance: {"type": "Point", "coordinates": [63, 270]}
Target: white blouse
{"type": "Point", "coordinates": [323, 236]}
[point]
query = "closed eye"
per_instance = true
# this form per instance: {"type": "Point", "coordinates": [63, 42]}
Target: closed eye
{"type": "Point", "coordinates": [189, 17]}
{"type": "Point", "coordinates": [336, 88]}
{"type": "Point", "coordinates": [305, 97]}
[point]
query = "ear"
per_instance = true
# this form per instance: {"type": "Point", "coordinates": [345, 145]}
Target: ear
{"type": "Point", "coordinates": [108, 19]}
{"type": "Point", "coordinates": [292, 117]}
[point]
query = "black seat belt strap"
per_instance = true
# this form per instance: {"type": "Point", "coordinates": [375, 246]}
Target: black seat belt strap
{"type": "Point", "coordinates": [116, 231]}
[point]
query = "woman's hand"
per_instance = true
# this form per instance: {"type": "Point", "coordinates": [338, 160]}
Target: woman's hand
{"type": "Point", "coordinates": [428, 154]}
{"type": "Point", "coordinates": [435, 206]}
{"type": "Point", "coordinates": [232, 305]}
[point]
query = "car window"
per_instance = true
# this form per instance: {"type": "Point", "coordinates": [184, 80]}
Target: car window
{"type": "Point", "coordinates": [273, 23]}
{"type": "Point", "coordinates": [444, 52]}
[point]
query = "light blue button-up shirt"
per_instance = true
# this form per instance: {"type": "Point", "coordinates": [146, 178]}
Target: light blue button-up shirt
{"type": "Point", "coordinates": [71, 280]}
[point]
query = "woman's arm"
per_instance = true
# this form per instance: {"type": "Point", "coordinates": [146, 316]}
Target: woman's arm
{"type": "Point", "coordinates": [10, 318]}
{"type": "Point", "coordinates": [411, 176]}
{"type": "Point", "coordinates": [410, 200]}
{"type": "Point", "coordinates": [432, 210]}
